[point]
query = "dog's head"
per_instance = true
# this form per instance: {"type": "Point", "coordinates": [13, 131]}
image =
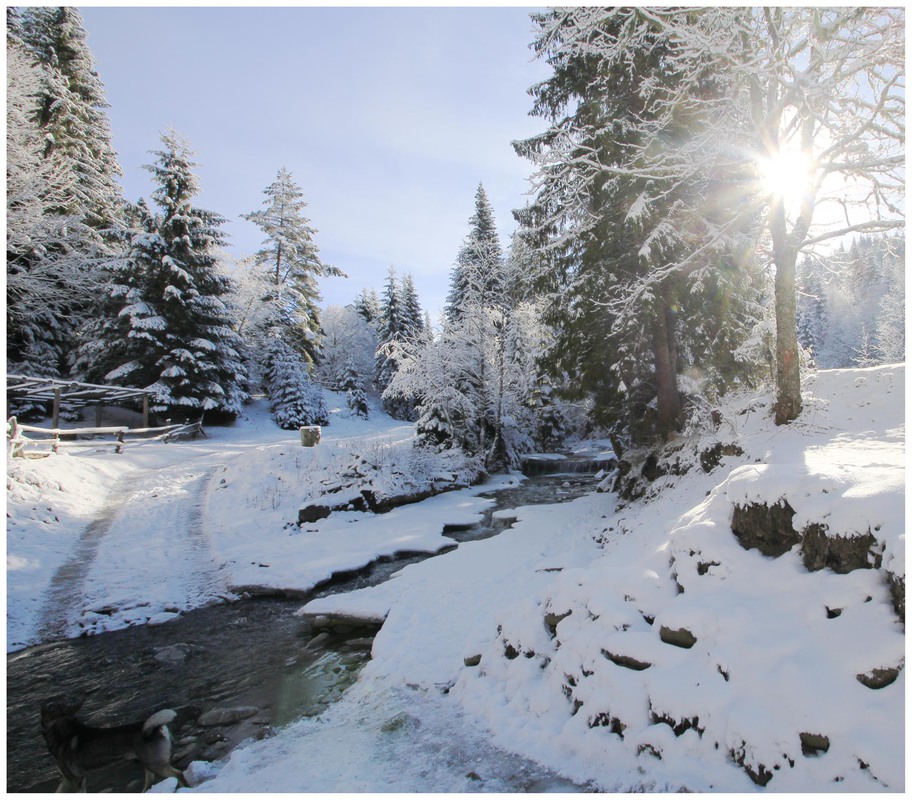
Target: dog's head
{"type": "Point", "coordinates": [59, 707]}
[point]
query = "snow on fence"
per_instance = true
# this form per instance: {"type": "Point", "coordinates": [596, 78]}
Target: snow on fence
{"type": "Point", "coordinates": [31, 441]}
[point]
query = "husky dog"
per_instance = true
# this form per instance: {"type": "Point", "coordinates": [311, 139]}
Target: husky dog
{"type": "Point", "coordinates": [78, 748]}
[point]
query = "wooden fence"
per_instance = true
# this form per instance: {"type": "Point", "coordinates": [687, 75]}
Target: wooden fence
{"type": "Point", "coordinates": [30, 441]}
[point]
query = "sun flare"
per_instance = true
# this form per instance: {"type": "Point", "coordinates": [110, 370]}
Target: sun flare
{"type": "Point", "coordinates": [786, 176]}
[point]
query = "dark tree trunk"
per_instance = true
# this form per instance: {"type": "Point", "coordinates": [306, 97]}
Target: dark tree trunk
{"type": "Point", "coordinates": [668, 400]}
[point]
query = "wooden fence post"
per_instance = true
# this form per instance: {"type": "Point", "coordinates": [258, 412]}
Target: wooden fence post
{"type": "Point", "coordinates": [55, 414]}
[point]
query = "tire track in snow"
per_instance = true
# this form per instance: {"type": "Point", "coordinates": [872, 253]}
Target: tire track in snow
{"type": "Point", "coordinates": [148, 550]}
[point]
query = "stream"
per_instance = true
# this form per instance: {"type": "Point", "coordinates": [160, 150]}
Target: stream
{"type": "Point", "coordinates": [253, 659]}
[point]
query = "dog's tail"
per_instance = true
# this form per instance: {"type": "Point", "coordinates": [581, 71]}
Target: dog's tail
{"type": "Point", "coordinates": [158, 720]}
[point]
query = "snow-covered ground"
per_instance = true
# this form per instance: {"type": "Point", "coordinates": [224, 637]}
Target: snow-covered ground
{"type": "Point", "coordinates": [567, 617]}
{"type": "Point", "coordinates": [98, 541]}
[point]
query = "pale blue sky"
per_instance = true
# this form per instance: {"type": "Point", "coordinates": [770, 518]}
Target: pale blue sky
{"type": "Point", "coordinates": [388, 118]}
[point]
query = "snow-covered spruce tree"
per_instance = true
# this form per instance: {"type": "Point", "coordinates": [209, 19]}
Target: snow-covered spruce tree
{"type": "Point", "coordinates": [351, 384]}
{"type": "Point", "coordinates": [550, 423]}
{"type": "Point", "coordinates": [73, 170]}
{"type": "Point", "coordinates": [478, 275]}
{"type": "Point", "coordinates": [43, 262]}
{"type": "Point", "coordinates": [412, 319]}
{"type": "Point", "coordinates": [292, 260]}
{"type": "Point", "coordinates": [169, 327]}
{"type": "Point", "coordinates": [294, 399]}
{"type": "Point", "coordinates": [392, 331]}
{"type": "Point", "coordinates": [858, 284]}
{"type": "Point", "coordinates": [71, 112]}
{"type": "Point", "coordinates": [367, 304]}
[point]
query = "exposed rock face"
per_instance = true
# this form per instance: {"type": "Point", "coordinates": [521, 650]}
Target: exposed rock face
{"type": "Point", "coordinates": [878, 678]}
{"type": "Point", "coordinates": [712, 457]}
{"type": "Point", "coordinates": [679, 638]}
{"type": "Point", "coordinates": [813, 744]}
{"type": "Point", "coordinates": [758, 773]}
{"type": "Point", "coordinates": [768, 528]}
{"type": "Point", "coordinates": [842, 554]}
{"type": "Point", "coordinates": [313, 513]}
{"type": "Point", "coordinates": [897, 584]}
{"type": "Point", "coordinates": [652, 470]}
{"type": "Point", "coordinates": [627, 661]}
{"type": "Point", "coordinates": [551, 620]}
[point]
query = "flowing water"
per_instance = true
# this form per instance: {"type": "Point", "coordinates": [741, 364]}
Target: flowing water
{"type": "Point", "coordinates": [253, 658]}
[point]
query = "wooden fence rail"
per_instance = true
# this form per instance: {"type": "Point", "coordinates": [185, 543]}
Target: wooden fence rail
{"type": "Point", "coordinates": [21, 438]}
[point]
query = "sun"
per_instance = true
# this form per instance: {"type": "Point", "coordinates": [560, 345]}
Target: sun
{"type": "Point", "coordinates": [786, 176]}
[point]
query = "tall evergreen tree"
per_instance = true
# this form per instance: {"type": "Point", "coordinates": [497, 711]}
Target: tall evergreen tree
{"type": "Point", "coordinates": [412, 322]}
{"type": "Point", "coordinates": [71, 112]}
{"type": "Point", "coordinates": [291, 257]}
{"type": "Point", "coordinates": [367, 304]}
{"type": "Point", "coordinates": [352, 385]}
{"type": "Point", "coordinates": [293, 399]}
{"type": "Point", "coordinates": [70, 149]}
{"type": "Point", "coordinates": [43, 260]}
{"type": "Point", "coordinates": [392, 332]}
{"type": "Point", "coordinates": [169, 327]}
{"type": "Point", "coordinates": [478, 275]}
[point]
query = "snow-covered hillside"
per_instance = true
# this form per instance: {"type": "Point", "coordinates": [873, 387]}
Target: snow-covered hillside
{"type": "Point", "coordinates": [623, 645]}
{"type": "Point", "coordinates": [645, 647]}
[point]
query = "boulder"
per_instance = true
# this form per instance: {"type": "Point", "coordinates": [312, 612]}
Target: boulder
{"type": "Point", "coordinates": [712, 456]}
{"type": "Point", "coordinates": [628, 662]}
{"type": "Point", "coordinates": [768, 528]}
{"type": "Point", "coordinates": [313, 513]}
{"type": "Point", "coordinates": [878, 678]}
{"type": "Point", "coordinates": [842, 554]}
{"type": "Point", "coordinates": [813, 744]}
{"type": "Point", "coordinates": [173, 655]}
{"type": "Point", "coordinates": [679, 638]}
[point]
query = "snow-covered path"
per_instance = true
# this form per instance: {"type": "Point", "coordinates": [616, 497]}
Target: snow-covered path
{"type": "Point", "coordinates": [174, 567]}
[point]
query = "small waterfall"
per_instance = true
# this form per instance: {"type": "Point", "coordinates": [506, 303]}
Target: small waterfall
{"type": "Point", "coordinates": [558, 464]}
